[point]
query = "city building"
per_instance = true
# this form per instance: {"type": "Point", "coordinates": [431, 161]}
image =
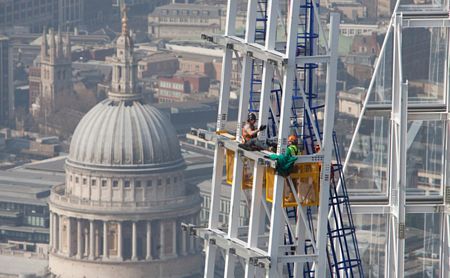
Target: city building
{"type": "Point", "coordinates": [6, 83]}
{"type": "Point", "coordinates": [146, 5]}
{"type": "Point", "coordinates": [350, 102]}
{"type": "Point", "coordinates": [37, 14]}
{"type": "Point", "coordinates": [181, 87]}
{"type": "Point", "coordinates": [198, 64]}
{"type": "Point", "coordinates": [55, 75]}
{"type": "Point", "coordinates": [157, 63]}
{"type": "Point", "coordinates": [363, 52]}
{"type": "Point", "coordinates": [352, 11]}
{"type": "Point", "coordinates": [184, 21]}
{"type": "Point", "coordinates": [24, 213]}
{"type": "Point", "coordinates": [96, 12]}
{"type": "Point", "coordinates": [351, 29]}
{"type": "Point", "coordinates": [120, 210]}
{"type": "Point", "coordinates": [385, 8]}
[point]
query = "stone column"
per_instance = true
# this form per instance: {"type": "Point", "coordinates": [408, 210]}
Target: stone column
{"type": "Point", "coordinates": [69, 236]}
{"type": "Point", "coordinates": [105, 240]}
{"type": "Point", "coordinates": [192, 240]}
{"type": "Point", "coordinates": [97, 242]}
{"type": "Point", "coordinates": [119, 240]}
{"type": "Point", "coordinates": [55, 232]}
{"type": "Point", "coordinates": [91, 239]}
{"type": "Point", "coordinates": [174, 238]}
{"type": "Point", "coordinates": [50, 240]}
{"type": "Point", "coordinates": [149, 241]}
{"type": "Point", "coordinates": [60, 233]}
{"type": "Point", "coordinates": [134, 241]}
{"type": "Point", "coordinates": [79, 239]}
{"type": "Point", "coordinates": [162, 235]}
{"type": "Point", "coordinates": [183, 248]}
{"type": "Point", "coordinates": [85, 241]}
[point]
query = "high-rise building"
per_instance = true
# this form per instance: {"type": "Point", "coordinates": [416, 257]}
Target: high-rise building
{"type": "Point", "coordinates": [55, 72]}
{"type": "Point", "coordinates": [38, 14]}
{"type": "Point", "coordinates": [6, 83]}
{"type": "Point", "coordinates": [120, 211]}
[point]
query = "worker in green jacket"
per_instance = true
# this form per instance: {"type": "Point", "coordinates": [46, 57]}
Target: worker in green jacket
{"type": "Point", "coordinates": [286, 161]}
{"type": "Point", "coordinates": [292, 148]}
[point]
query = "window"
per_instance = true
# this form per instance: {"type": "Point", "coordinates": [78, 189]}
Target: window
{"type": "Point", "coordinates": [77, 180]}
{"type": "Point", "coordinates": [137, 184]}
{"type": "Point", "coordinates": [115, 183]}
{"type": "Point", "coordinates": [159, 182]}
{"type": "Point", "coordinates": [175, 179]}
{"type": "Point", "coordinates": [104, 183]}
{"type": "Point", "coordinates": [127, 184]}
{"type": "Point", "coordinates": [149, 183]}
{"type": "Point", "coordinates": [93, 182]}
{"type": "Point", "coordinates": [168, 181]}
{"type": "Point", "coordinates": [84, 181]}
{"type": "Point", "coordinates": [70, 177]}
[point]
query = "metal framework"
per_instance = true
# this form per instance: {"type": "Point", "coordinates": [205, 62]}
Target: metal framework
{"type": "Point", "coordinates": [410, 125]}
{"type": "Point", "coordinates": [279, 82]}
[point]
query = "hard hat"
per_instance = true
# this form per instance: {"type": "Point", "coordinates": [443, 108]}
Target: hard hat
{"type": "Point", "coordinates": [251, 117]}
{"type": "Point", "coordinates": [292, 138]}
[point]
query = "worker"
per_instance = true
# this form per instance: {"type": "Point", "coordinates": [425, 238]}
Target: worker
{"type": "Point", "coordinates": [250, 135]}
{"type": "Point", "coordinates": [249, 131]}
{"type": "Point", "coordinates": [292, 148]}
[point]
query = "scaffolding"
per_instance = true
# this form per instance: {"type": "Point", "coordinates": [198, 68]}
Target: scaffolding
{"type": "Point", "coordinates": [300, 225]}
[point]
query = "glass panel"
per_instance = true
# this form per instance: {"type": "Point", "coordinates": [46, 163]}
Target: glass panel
{"type": "Point", "coordinates": [423, 59]}
{"type": "Point", "coordinates": [371, 234]}
{"type": "Point", "coordinates": [366, 173]}
{"type": "Point", "coordinates": [422, 245]}
{"type": "Point", "coordinates": [424, 169]}
{"type": "Point", "coordinates": [382, 89]}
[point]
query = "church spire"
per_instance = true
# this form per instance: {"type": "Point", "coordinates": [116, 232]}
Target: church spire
{"type": "Point", "coordinates": [123, 85]}
{"type": "Point", "coordinates": [124, 21]}
{"type": "Point", "coordinates": [44, 44]}
{"type": "Point", "coordinates": [52, 46]}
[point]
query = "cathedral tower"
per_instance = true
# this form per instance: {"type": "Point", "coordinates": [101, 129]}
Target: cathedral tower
{"type": "Point", "coordinates": [56, 70]}
{"type": "Point", "coordinates": [120, 210]}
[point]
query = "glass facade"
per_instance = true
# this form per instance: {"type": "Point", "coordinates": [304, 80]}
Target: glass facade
{"type": "Point", "coordinates": [377, 215]}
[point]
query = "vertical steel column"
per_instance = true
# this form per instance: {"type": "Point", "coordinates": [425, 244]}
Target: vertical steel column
{"type": "Point", "coordinates": [445, 248]}
{"type": "Point", "coordinates": [327, 147]}
{"type": "Point", "coordinates": [244, 98]}
{"type": "Point", "coordinates": [397, 162]}
{"type": "Point", "coordinates": [230, 29]}
{"type": "Point", "coordinates": [257, 215]}
{"type": "Point", "coordinates": [276, 225]}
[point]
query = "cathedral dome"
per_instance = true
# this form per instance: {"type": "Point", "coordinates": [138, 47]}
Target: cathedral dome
{"type": "Point", "coordinates": [125, 134]}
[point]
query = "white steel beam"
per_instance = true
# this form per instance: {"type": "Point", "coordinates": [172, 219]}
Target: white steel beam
{"type": "Point", "coordinates": [276, 229]}
{"type": "Point", "coordinates": [330, 99]}
{"type": "Point", "coordinates": [216, 185]}
{"type": "Point", "coordinates": [244, 97]}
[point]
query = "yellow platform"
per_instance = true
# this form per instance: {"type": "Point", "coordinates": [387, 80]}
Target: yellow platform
{"type": "Point", "coordinates": [306, 180]}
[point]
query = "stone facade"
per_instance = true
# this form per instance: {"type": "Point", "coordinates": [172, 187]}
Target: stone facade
{"type": "Point", "coordinates": [55, 73]}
